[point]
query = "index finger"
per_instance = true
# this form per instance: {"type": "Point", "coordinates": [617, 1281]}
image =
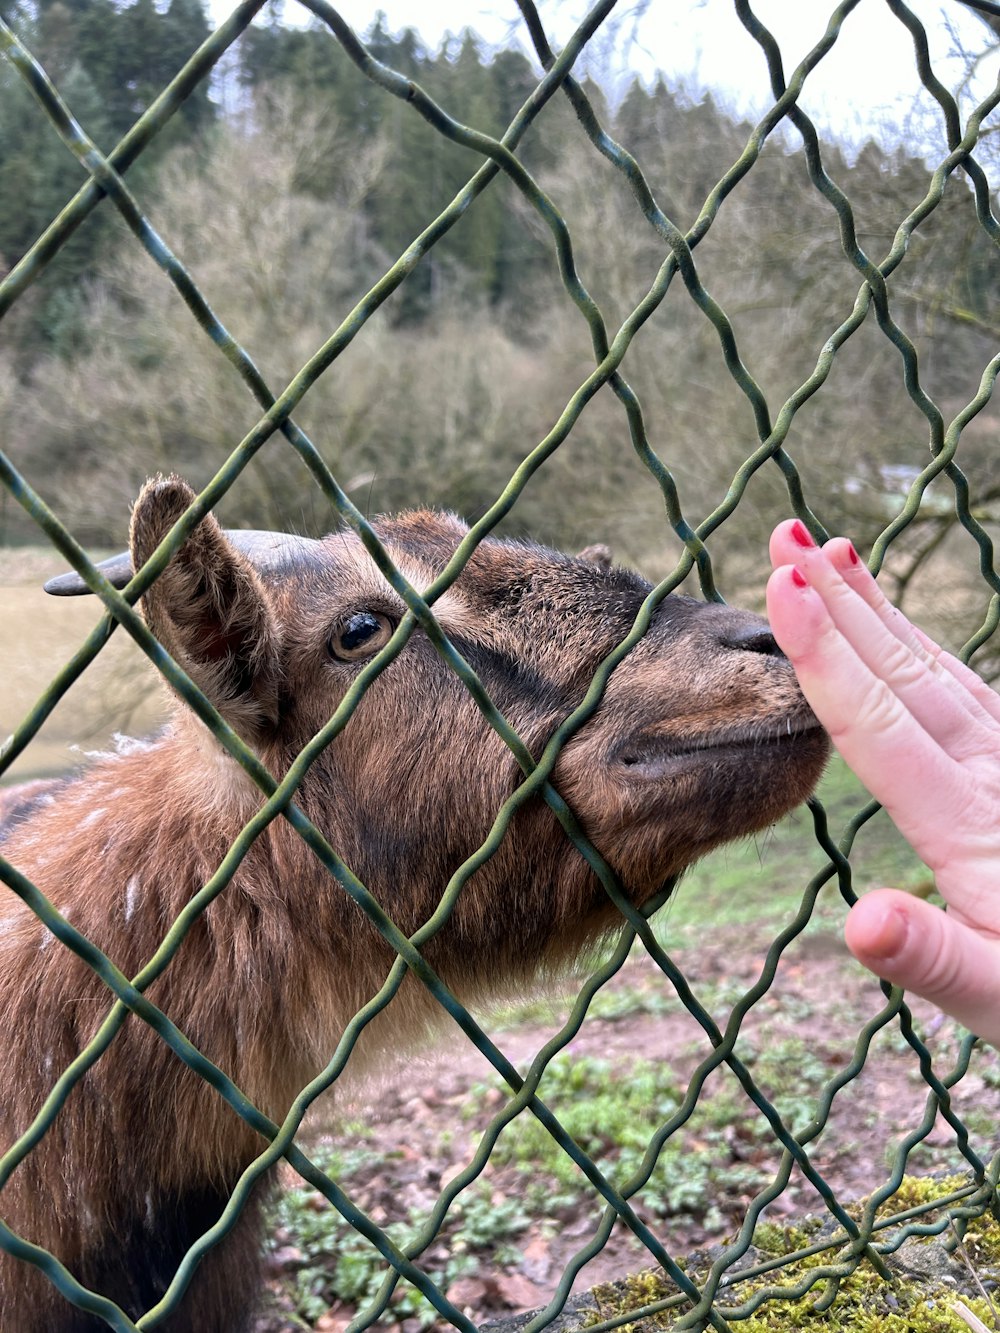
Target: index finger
{"type": "Point", "coordinates": [893, 754]}
{"type": "Point", "coordinates": [890, 646]}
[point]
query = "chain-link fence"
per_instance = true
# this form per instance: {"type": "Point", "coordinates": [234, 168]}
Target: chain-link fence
{"type": "Point", "coordinates": [704, 1298]}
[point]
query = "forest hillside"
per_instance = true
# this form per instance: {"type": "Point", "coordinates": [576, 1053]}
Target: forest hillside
{"type": "Point", "coordinates": [288, 186]}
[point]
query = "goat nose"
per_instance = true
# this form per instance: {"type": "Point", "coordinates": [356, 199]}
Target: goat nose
{"type": "Point", "coordinates": [752, 639]}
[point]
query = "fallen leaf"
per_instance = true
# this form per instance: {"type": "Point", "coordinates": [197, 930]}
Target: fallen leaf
{"type": "Point", "coordinates": [332, 1323]}
{"type": "Point", "coordinates": [467, 1292]}
{"type": "Point", "coordinates": [518, 1292]}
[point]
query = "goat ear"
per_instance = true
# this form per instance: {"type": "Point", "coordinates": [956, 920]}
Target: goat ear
{"type": "Point", "coordinates": [599, 555]}
{"type": "Point", "coordinates": [209, 610]}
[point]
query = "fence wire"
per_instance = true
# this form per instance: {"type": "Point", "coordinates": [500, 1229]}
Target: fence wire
{"type": "Point", "coordinates": [854, 1236]}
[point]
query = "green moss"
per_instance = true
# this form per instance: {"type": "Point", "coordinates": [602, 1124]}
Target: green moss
{"type": "Point", "coordinates": [772, 1238]}
{"type": "Point", "coordinates": [865, 1302]}
{"type": "Point", "coordinates": [915, 1190]}
{"type": "Point", "coordinates": [981, 1240]}
{"type": "Point", "coordinates": [636, 1291]}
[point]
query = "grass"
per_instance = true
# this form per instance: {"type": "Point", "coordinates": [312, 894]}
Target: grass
{"type": "Point", "coordinates": [760, 881]}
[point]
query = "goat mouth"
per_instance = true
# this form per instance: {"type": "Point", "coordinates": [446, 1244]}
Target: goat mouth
{"type": "Point", "coordinates": [648, 757]}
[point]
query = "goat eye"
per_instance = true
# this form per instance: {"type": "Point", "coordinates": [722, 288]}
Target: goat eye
{"type": "Point", "coordinates": [360, 635]}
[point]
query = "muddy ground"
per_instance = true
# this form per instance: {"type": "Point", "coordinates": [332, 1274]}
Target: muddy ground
{"type": "Point", "coordinates": [422, 1126]}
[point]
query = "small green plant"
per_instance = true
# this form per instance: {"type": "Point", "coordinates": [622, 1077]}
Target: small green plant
{"type": "Point", "coordinates": [334, 1263]}
{"type": "Point", "coordinates": [714, 1160]}
{"type": "Point", "coordinates": [611, 1114]}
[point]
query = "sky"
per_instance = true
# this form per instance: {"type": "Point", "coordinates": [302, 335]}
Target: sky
{"type": "Point", "coordinates": [703, 43]}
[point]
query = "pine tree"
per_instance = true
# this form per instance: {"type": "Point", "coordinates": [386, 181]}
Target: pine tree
{"type": "Point", "coordinates": [107, 62]}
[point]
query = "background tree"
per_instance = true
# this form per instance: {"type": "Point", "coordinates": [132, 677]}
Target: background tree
{"type": "Point", "coordinates": [293, 200]}
{"type": "Point", "coordinates": [108, 62]}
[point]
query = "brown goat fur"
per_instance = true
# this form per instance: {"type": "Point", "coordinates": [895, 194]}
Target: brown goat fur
{"type": "Point", "coordinates": [702, 736]}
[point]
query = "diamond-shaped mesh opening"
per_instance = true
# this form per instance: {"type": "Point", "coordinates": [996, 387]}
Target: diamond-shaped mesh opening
{"type": "Point", "coordinates": [854, 1236]}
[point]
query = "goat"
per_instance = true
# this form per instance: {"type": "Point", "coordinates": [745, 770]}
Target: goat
{"type": "Point", "coordinates": [702, 736]}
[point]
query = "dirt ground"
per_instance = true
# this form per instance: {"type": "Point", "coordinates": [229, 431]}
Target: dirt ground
{"type": "Point", "coordinates": [423, 1125]}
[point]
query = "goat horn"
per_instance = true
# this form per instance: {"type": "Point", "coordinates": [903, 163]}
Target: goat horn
{"type": "Point", "coordinates": [264, 550]}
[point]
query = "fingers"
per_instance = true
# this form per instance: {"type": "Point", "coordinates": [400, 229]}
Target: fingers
{"type": "Point", "coordinates": [985, 696]}
{"type": "Point", "coordinates": [880, 738]}
{"type": "Point", "coordinates": [865, 685]}
{"type": "Point", "coordinates": [961, 717]}
{"type": "Point", "coordinates": [922, 732]}
{"type": "Point", "coordinates": [857, 576]}
{"type": "Point", "coordinates": [941, 793]}
{"type": "Point", "coordinates": [787, 548]}
{"type": "Point", "coordinates": [790, 542]}
{"type": "Point", "coordinates": [915, 945]}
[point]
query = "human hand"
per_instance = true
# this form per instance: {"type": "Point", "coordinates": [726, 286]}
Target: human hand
{"type": "Point", "coordinates": [922, 732]}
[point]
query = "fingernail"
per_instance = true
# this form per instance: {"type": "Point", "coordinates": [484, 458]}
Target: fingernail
{"type": "Point", "coordinates": [798, 578]}
{"type": "Point", "coordinates": [890, 937]}
{"type": "Point", "coordinates": [800, 534]}
{"type": "Point", "coordinates": [852, 554]}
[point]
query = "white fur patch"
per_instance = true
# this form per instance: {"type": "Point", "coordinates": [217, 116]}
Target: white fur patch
{"type": "Point", "coordinates": [225, 785]}
{"type": "Point", "coordinates": [455, 616]}
{"type": "Point", "coordinates": [131, 897]}
{"type": "Point", "coordinates": [132, 744]}
{"type": "Point", "coordinates": [121, 745]}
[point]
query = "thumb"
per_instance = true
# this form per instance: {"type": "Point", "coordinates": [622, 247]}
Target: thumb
{"type": "Point", "coordinates": [917, 946]}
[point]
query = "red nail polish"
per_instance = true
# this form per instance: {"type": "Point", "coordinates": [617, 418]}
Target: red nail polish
{"type": "Point", "coordinates": [855, 559]}
{"type": "Point", "coordinates": [800, 534]}
{"type": "Point", "coordinates": [798, 578]}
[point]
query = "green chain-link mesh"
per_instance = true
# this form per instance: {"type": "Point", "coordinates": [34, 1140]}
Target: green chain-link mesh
{"type": "Point", "coordinates": [854, 1238]}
